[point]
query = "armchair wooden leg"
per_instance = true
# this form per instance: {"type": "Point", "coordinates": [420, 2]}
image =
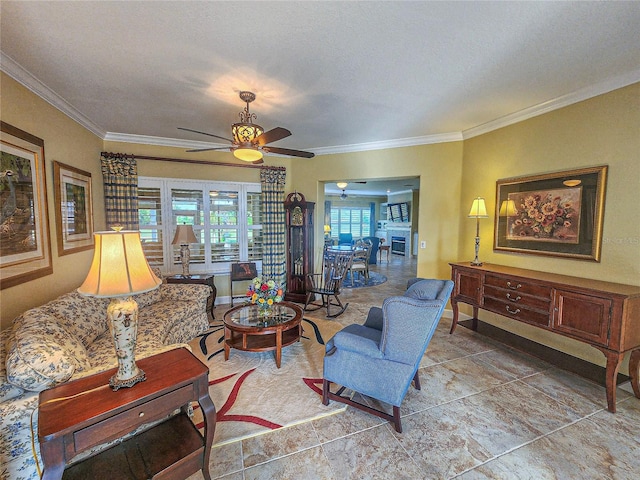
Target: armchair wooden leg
{"type": "Point", "coordinates": [325, 391]}
{"type": "Point", "coordinates": [327, 395]}
{"type": "Point", "coordinates": [396, 419]}
{"type": "Point", "coordinates": [416, 381]}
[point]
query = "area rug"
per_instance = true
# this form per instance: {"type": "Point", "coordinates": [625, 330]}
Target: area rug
{"type": "Point", "coordinates": [373, 280]}
{"type": "Point", "coordinates": [253, 396]}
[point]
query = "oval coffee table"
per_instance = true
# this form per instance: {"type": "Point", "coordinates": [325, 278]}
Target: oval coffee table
{"type": "Point", "coordinates": [245, 329]}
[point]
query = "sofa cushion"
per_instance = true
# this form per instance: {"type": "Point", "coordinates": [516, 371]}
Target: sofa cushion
{"type": "Point", "coordinates": [84, 317]}
{"type": "Point", "coordinates": [41, 355]}
{"type": "Point", "coordinates": [7, 390]}
{"type": "Point", "coordinates": [148, 298]}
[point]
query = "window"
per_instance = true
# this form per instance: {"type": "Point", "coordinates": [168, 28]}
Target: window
{"type": "Point", "coordinates": [226, 220]}
{"type": "Point", "coordinates": [354, 220]}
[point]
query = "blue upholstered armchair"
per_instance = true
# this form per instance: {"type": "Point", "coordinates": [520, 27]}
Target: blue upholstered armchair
{"type": "Point", "coordinates": [380, 358]}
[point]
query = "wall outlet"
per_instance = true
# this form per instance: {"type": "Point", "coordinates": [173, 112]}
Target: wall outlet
{"type": "Point", "coordinates": [423, 244]}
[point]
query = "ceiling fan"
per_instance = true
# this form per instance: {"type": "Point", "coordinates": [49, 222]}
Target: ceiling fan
{"type": "Point", "coordinates": [250, 139]}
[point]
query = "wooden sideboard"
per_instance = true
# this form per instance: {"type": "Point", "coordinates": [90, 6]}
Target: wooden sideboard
{"type": "Point", "coordinates": [602, 314]}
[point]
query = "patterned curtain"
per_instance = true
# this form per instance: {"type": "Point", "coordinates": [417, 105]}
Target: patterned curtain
{"type": "Point", "coordinates": [273, 224]}
{"type": "Point", "coordinates": [120, 175]}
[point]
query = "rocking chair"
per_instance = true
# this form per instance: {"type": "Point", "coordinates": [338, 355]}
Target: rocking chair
{"type": "Point", "coordinates": [335, 265]}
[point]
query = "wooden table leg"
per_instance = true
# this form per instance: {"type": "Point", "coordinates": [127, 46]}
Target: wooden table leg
{"type": "Point", "coordinates": [227, 339]}
{"type": "Point", "coordinates": [454, 322]}
{"type": "Point", "coordinates": [634, 371]}
{"type": "Point", "coordinates": [611, 374]}
{"type": "Point", "coordinates": [278, 347]}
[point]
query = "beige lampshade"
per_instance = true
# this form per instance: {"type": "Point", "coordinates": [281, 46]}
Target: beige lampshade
{"type": "Point", "coordinates": [478, 209]}
{"type": "Point", "coordinates": [327, 229]}
{"type": "Point", "coordinates": [119, 267]}
{"type": "Point", "coordinates": [184, 235]}
{"type": "Point", "coordinates": [508, 208]}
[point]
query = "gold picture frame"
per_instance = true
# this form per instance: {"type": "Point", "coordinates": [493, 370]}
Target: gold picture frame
{"type": "Point", "coordinates": [557, 214]}
{"type": "Point", "coordinates": [74, 208]}
{"type": "Point", "coordinates": [25, 244]}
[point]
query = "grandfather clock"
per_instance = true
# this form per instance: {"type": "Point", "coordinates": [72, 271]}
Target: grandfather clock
{"type": "Point", "coordinates": [299, 219]}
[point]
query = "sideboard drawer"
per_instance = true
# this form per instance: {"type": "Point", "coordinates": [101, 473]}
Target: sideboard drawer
{"type": "Point", "coordinates": [518, 285]}
{"type": "Point", "coordinates": [520, 299]}
{"type": "Point", "coordinates": [120, 424]}
{"type": "Point", "coordinates": [518, 312]}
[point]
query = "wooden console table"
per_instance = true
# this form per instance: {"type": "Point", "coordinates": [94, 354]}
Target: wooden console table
{"type": "Point", "coordinates": [602, 314]}
{"type": "Point", "coordinates": [77, 416]}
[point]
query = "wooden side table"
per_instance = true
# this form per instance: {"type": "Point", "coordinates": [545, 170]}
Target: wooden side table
{"type": "Point", "coordinates": [79, 415]}
{"type": "Point", "coordinates": [199, 279]}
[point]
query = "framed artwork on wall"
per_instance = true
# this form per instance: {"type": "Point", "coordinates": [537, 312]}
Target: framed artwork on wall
{"type": "Point", "coordinates": [74, 209]}
{"type": "Point", "coordinates": [557, 214]}
{"type": "Point", "coordinates": [25, 248]}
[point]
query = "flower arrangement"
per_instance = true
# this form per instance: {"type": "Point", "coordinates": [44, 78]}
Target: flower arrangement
{"type": "Point", "coordinates": [545, 215]}
{"type": "Point", "coordinates": [264, 294]}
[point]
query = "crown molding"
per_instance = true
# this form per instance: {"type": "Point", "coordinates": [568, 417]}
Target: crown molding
{"type": "Point", "coordinates": [384, 144]}
{"type": "Point", "coordinates": [607, 86]}
{"type": "Point", "coordinates": [160, 141]}
{"type": "Point", "coordinates": [16, 71]}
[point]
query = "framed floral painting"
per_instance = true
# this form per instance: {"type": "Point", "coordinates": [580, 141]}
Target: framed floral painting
{"type": "Point", "coordinates": [558, 214]}
{"type": "Point", "coordinates": [25, 248]}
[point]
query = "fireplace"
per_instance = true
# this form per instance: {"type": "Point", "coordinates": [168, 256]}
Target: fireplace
{"type": "Point", "coordinates": [398, 245]}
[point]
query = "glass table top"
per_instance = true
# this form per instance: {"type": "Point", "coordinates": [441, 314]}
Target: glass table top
{"type": "Point", "coordinates": [250, 316]}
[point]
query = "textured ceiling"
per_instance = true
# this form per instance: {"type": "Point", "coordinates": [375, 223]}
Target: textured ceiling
{"type": "Point", "coordinates": [337, 74]}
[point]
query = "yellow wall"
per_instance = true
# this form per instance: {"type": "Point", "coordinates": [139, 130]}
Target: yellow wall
{"type": "Point", "coordinates": [67, 142]}
{"type": "Point", "coordinates": [600, 131]}
{"type": "Point", "coordinates": [439, 167]}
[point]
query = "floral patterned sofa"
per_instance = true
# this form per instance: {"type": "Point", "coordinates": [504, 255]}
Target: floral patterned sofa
{"type": "Point", "coordinates": [69, 338]}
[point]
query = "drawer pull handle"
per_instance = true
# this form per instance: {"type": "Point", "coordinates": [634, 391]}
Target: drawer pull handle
{"type": "Point", "coordinates": [518, 297]}
{"type": "Point", "coordinates": [513, 312]}
{"type": "Point", "coordinates": [513, 287]}
{"type": "Point", "coordinates": [141, 414]}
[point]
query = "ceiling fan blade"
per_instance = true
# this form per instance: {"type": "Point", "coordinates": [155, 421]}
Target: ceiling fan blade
{"type": "Point", "coordinates": [273, 135]}
{"type": "Point", "coordinates": [288, 151]}
{"type": "Point", "coordinates": [207, 149]}
{"type": "Point", "coordinates": [205, 133]}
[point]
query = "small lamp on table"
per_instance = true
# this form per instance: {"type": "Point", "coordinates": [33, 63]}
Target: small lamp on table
{"type": "Point", "coordinates": [119, 270]}
{"type": "Point", "coordinates": [478, 211]}
{"type": "Point", "coordinates": [183, 237]}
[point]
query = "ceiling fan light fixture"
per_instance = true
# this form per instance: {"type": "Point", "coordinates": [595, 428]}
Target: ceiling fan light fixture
{"type": "Point", "coordinates": [342, 185]}
{"type": "Point", "coordinates": [247, 154]}
{"type": "Point", "coordinates": [246, 132]}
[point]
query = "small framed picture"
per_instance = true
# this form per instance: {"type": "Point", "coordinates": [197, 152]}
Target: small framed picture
{"type": "Point", "coordinates": [74, 211]}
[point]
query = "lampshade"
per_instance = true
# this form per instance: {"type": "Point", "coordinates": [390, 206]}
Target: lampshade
{"type": "Point", "coordinates": [342, 185]}
{"type": "Point", "coordinates": [508, 208]}
{"type": "Point", "coordinates": [184, 235]}
{"type": "Point", "coordinates": [327, 229]}
{"type": "Point", "coordinates": [119, 267]}
{"type": "Point", "coordinates": [478, 209]}
{"type": "Point", "coordinates": [247, 154]}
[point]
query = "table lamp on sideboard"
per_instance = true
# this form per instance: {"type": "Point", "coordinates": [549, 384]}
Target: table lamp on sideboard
{"type": "Point", "coordinates": [183, 237]}
{"type": "Point", "coordinates": [119, 270]}
{"type": "Point", "coordinates": [478, 211]}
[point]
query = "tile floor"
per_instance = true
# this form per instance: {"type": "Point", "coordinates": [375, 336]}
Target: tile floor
{"type": "Point", "coordinates": [484, 412]}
